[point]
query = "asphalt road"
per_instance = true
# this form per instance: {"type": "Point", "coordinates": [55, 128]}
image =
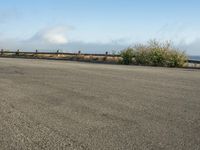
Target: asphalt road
{"type": "Point", "coordinates": [70, 105]}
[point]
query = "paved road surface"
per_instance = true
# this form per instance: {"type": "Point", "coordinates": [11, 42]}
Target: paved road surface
{"type": "Point", "coordinates": [70, 105]}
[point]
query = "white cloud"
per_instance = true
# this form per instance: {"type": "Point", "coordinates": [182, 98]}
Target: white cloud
{"type": "Point", "coordinates": [55, 35]}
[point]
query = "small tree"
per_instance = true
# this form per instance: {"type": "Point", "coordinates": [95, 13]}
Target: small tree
{"type": "Point", "coordinates": [127, 56]}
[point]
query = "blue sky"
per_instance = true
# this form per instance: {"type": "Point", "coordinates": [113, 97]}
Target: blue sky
{"type": "Point", "coordinates": [98, 25]}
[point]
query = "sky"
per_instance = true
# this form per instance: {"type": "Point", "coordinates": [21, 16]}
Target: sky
{"type": "Point", "coordinates": [97, 26]}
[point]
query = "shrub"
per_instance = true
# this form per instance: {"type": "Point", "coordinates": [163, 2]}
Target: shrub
{"type": "Point", "coordinates": [159, 54]}
{"type": "Point", "coordinates": [127, 56]}
{"type": "Point", "coordinates": [142, 55]}
{"type": "Point", "coordinates": [176, 59]}
{"type": "Point", "coordinates": [154, 53]}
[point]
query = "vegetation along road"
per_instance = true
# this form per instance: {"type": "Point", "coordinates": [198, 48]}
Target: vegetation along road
{"type": "Point", "coordinates": [71, 105]}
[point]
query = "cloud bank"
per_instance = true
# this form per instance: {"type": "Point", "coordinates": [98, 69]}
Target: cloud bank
{"type": "Point", "coordinates": [53, 38]}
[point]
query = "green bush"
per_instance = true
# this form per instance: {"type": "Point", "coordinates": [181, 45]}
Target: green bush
{"type": "Point", "coordinates": [127, 56]}
{"type": "Point", "coordinates": [159, 54]}
{"type": "Point", "coordinates": [176, 59]}
{"type": "Point", "coordinates": [154, 53]}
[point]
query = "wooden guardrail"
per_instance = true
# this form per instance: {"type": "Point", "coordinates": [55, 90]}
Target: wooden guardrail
{"type": "Point", "coordinates": [56, 53]}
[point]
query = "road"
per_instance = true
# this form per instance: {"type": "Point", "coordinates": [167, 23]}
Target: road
{"type": "Point", "coordinates": [53, 105]}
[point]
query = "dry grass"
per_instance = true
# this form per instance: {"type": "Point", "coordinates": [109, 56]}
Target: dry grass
{"type": "Point", "coordinates": [78, 57]}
